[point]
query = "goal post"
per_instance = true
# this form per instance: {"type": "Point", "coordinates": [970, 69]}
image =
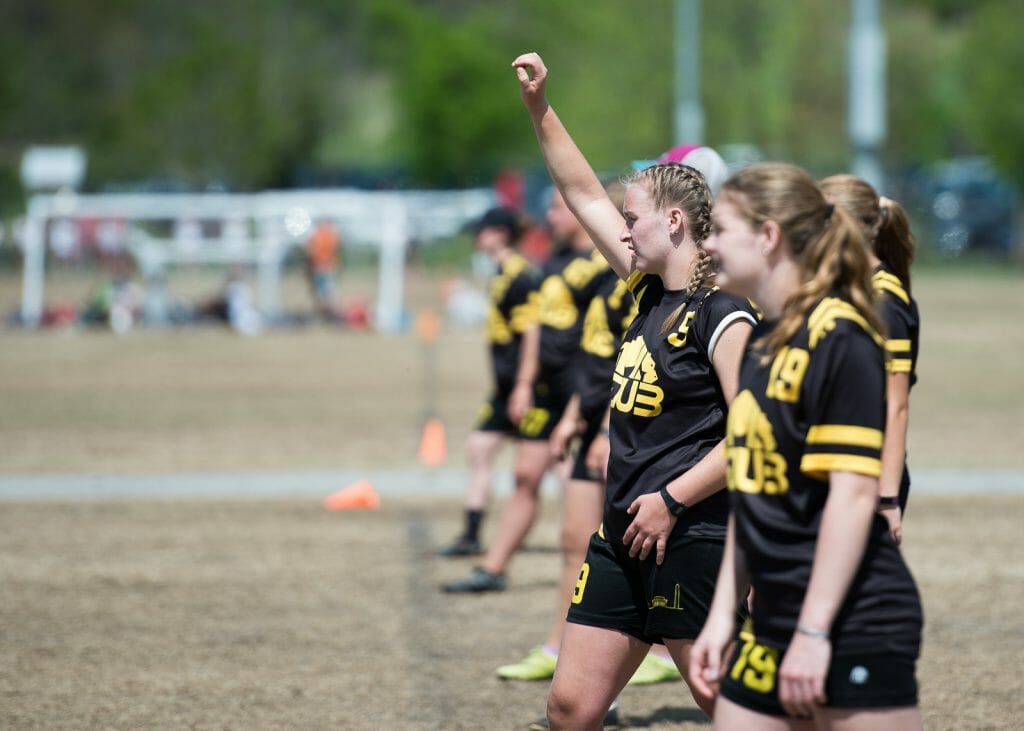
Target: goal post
{"type": "Point", "coordinates": [258, 229]}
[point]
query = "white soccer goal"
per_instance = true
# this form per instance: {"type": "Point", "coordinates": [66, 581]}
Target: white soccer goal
{"type": "Point", "coordinates": [257, 229]}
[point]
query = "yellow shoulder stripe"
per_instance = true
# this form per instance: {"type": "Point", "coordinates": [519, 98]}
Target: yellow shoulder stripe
{"type": "Point", "coordinates": [819, 465]}
{"type": "Point", "coordinates": [851, 436]}
{"type": "Point", "coordinates": [822, 320]}
{"type": "Point", "coordinates": [885, 282]}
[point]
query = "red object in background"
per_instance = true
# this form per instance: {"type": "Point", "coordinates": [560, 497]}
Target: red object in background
{"type": "Point", "coordinates": [355, 313]}
{"type": "Point", "coordinates": [510, 189]}
{"type": "Point", "coordinates": [535, 244]}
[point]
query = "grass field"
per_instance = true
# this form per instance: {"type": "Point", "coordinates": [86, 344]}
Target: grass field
{"type": "Point", "coordinates": [273, 614]}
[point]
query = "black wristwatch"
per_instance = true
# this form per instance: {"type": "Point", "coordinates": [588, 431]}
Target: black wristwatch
{"type": "Point", "coordinates": [674, 506]}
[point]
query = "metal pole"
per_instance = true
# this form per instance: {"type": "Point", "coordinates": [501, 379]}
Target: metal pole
{"type": "Point", "coordinates": [688, 124]}
{"type": "Point", "coordinates": [34, 264]}
{"type": "Point", "coordinates": [867, 91]}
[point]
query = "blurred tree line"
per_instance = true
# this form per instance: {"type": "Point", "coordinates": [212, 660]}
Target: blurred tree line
{"type": "Point", "coordinates": [249, 94]}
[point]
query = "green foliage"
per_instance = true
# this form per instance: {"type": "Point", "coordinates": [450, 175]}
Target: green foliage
{"type": "Point", "coordinates": [993, 60]}
{"type": "Point", "coordinates": [246, 91]}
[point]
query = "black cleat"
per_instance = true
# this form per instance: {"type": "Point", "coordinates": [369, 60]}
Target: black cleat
{"type": "Point", "coordinates": [461, 548]}
{"type": "Point", "coordinates": [477, 582]}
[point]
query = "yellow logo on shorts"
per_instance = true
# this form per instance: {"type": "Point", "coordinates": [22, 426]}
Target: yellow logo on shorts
{"type": "Point", "coordinates": [661, 602]}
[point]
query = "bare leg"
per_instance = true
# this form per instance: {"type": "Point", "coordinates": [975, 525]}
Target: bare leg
{"type": "Point", "coordinates": [680, 652]}
{"type": "Point", "coordinates": [519, 514]}
{"type": "Point", "coordinates": [481, 451]}
{"type": "Point", "coordinates": [870, 719]}
{"type": "Point", "coordinates": [731, 717]}
{"type": "Point", "coordinates": [593, 667]}
{"type": "Point", "coordinates": [582, 509]}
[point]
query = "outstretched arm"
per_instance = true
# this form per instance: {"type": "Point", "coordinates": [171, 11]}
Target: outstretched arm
{"type": "Point", "coordinates": [570, 171]}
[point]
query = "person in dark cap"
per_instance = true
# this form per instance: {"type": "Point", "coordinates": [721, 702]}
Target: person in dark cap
{"type": "Point", "coordinates": [510, 315]}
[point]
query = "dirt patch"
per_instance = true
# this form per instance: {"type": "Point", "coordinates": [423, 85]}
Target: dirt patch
{"type": "Point", "coordinates": [277, 614]}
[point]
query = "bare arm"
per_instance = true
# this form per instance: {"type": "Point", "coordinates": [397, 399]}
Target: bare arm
{"type": "Point", "coordinates": [842, 538]}
{"type": "Point", "coordinates": [521, 399]}
{"type": "Point", "coordinates": [708, 653]}
{"type": "Point", "coordinates": [569, 169]}
{"type": "Point", "coordinates": [894, 449]}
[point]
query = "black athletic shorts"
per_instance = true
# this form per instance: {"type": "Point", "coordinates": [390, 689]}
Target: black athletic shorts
{"type": "Point", "coordinates": [579, 468]}
{"type": "Point", "coordinates": [550, 397]}
{"type": "Point", "coordinates": [493, 415]}
{"type": "Point", "coordinates": [882, 680]}
{"type": "Point", "coordinates": [650, 602]}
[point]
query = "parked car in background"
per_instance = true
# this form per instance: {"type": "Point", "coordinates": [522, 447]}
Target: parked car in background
{"type": "Point", "coordinates": [964, 205]}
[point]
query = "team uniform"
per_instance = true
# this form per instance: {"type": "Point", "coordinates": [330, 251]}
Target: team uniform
{"type": "Point", "coordinates": [818, 406]}
{"type": "Point", "coordinates": [570, 281]}
{"type": "Point", "coordinates": [510, 312]}
{"type": "Point", "coordinates": [903, 323]}
{"type": "Point", "coordinates": [608, 316]}
{"type": "Point", "coordinates": [667, 412]}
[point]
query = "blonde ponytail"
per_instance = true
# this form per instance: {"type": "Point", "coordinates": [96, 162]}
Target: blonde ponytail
{"type": "Point", "coordinates": [827, 243]}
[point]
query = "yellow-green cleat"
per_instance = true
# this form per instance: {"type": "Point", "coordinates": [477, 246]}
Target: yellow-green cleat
{"type": "Point", "coordinates": [538, 665]}
{"type": "Point", "coordinates": [655, 669]}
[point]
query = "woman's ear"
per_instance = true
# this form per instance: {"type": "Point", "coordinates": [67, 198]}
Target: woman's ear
{"type": "Point", "coordinates": [771, 237]}
{"type": "Point", "coordinates": [676, 221]}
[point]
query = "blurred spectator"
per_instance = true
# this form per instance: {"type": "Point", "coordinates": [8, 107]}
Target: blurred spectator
{"type": "Point", "coordinates": [117, 300]}
{"type": "Point", "coordinates": [234, 305]}
{"type": "Point", "coordinates": [323, 255]}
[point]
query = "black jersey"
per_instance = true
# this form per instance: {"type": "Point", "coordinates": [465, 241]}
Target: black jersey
{"type": "Point", "coordinates": [570, 281]}
{"type": "Point", "coordinates": [609, 314]}
{"type": "Point", "coordinates": [899, 310]}
{"type": "Point", "coordinates": [667, 407]}
{"type": "Point", "coordinates": [510, 313]}
{"type": "Point", "coordinates": [817, 406]}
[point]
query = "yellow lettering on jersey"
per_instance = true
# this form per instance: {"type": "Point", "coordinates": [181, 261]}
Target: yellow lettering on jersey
{"type": "Point", "coordinates": [787, 374]}
{"type": "Point", "coordinates": [597, 337]}
{"type": "Point", "coordinates": [556, 308]}
{"type": "Point", "coordinates": [754, 464]}
{"type": "Point", "coordinates": [498, 330]}
{"type": "Point", "coordinates": [678, 338]}
{"type": "Point", "coordinates": [634, 377]}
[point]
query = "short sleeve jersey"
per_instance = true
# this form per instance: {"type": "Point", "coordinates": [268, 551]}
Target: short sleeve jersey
{"type": "Point", "coordinates": [667, 406]}
{"type": "Point", "coordinates": [510, 312]}
{"type": "Point", "coordinates": [608, 316]}
{"type": "Point", "coordinates": [569, 283]}
{"type": "Point", "coordinates": [818, 405]}
{"type": "Point", "coordinates": [899, 310]}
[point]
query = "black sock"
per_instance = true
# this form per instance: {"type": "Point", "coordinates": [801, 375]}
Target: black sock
{"type": "Point", "coordinates": [473, 520]}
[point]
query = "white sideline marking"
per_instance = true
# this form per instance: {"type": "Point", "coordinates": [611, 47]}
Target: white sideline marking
{"type": "Point", "coordinates": [387, 482]}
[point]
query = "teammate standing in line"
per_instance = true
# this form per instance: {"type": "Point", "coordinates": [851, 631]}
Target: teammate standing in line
{"type": "Point", "coordinates": [884, 224]}
{"type": "Point", "coordinates": [650, 569]}
{"type": "Point", "coordinates": [835, 625]}
{"type": "Point", "coordinates": [510, 315]}
{"type": "Point", "coordinates": [543, 386]}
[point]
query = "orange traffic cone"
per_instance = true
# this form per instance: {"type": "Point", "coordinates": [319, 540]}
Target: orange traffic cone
{"type": "Point", "coordinates": [432, 448]}
{"type": "Point", "coordinates": [357, 496]}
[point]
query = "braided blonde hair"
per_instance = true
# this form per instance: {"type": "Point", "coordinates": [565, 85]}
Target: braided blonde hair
{"type": "Point", "coordinates": [674, 185]}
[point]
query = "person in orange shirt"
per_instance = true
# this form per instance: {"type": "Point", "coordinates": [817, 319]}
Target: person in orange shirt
{"type": "Point", "coordinates": [323, 255]}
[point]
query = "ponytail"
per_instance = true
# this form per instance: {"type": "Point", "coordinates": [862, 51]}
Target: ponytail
{"type": "Point", "coordinates": [827, 243]}
{"type": "Point", "coordinates": [894, 244]}
{"type": "Point", "coordinates": [883, 221]}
